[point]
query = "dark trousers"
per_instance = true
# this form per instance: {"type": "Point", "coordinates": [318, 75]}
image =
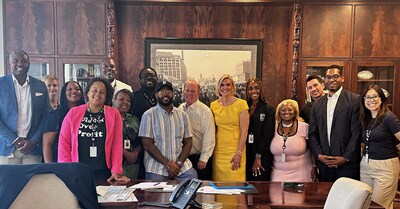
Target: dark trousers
{"type": "Point", "coordinates": [204, 174]}
{"type": "Point", "coordinates": [327, 174]}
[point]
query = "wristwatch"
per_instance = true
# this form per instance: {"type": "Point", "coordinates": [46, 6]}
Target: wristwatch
{"type": "Point", "coordinates": [258, 156]}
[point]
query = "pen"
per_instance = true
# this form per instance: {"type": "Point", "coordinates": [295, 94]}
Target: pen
{"type": "Point", "coordinates": [157, 183]}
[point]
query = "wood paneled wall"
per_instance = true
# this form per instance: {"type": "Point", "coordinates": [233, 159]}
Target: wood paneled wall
{"type": "Point", "coordinates": [29, 26]}
{"type": "Point", "coordinates": [327, 31]}
{"type": "Point", "coordinates": [272, 24]}
{"type": "Point", "coordinates": [64, 30]}
{"type": "Point", "coordinates": [377, 31]}
{"type": "Point", "coordinates": [56, 30]}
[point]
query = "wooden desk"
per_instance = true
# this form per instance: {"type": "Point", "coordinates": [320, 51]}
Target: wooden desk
{"type": "Point", "coordinates": [271, 195]}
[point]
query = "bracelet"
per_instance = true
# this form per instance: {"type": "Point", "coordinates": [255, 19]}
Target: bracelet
{"type": "Point", "coordinates": [315, 166]}
{"type": "Point", "coordinates": [258, 156]}
{"type": "Point", "coordinates": [239, 153]}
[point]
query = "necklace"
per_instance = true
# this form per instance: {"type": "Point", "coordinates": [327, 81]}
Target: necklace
{"type": "Point", "coordinates": [285, 137]}
{"type": "Point", "coordinates": [287, 126]}
{"type": "Point", "coordinates": [151, 100]}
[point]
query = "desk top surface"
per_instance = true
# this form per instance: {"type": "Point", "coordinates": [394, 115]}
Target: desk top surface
{"type": "Point", "coordinates": [270, 195]}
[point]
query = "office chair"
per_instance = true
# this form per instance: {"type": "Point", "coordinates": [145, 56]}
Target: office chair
{"type": "Point", "coordinates": [47, 182]}
{"type": "Point", "coordinates": [348, 193]}
{"type": "Point", "coordinates": [45, 191]}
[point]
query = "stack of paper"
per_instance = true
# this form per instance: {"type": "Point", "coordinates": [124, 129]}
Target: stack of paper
{"type": "Point", "coordinates": [115, 194]}
{"type": "Point", "coordinates": [212, 190]}
{"type": "Point", "coordinates": [211, 205]}
{"type": "Point", "coordinates": [153, 185]}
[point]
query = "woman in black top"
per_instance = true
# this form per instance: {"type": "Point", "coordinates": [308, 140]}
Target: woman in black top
{"type": "Point", "coordinates": [381, 133]}
{"type": "Point", "coordinates": [261, 131]}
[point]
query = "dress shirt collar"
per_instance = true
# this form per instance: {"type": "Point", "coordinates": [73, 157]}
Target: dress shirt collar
{"type": "Point", "coordinates": [159, 108]}
{"type": "Point", "coordinates": [15, 81]}
{"type": "Point", "coordinates": [185, 107]}
{"type": "Point", "coordinates": [337, 93]}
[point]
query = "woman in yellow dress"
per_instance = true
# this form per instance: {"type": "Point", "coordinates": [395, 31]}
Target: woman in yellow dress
{"type": "Point", "coordinates": [232, 121]}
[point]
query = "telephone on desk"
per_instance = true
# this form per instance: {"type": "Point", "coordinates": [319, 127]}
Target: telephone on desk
{"type": "Point", "coordinates": [184, 194]}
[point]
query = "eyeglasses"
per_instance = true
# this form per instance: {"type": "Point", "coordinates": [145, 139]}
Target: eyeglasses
{"type": "Point", "coordinates": [147, 76]}
{"type": "Point", "coordinates": [165, 91]}
{"type": "Point", "coordinates": [374, 97]}
{"type": "Point", "coordinates": [334, 77]}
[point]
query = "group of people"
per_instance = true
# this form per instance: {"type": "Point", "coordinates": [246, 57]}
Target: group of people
{"type": "Point", "coordinates": [122, 135]}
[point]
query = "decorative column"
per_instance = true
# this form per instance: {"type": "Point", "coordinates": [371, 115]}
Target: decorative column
{"type": "Point", "coordinates": [110, 28]}
{"type": "Point", "coordinates": [296, 46]}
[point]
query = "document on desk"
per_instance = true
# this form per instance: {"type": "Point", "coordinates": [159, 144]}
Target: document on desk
{"type": "Point", "coordinates": [152, 185]}
{"type": "Point", "coordinates": [115, 194]}
{"type": "Point", "coordinates": [212, 190]}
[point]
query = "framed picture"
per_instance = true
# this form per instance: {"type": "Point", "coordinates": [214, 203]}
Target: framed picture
{"type": "Point", "coordinates": [204, 60]}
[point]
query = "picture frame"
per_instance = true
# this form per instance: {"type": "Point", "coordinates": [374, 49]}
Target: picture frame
{"type": "Point", "coordinates": [204, 60]}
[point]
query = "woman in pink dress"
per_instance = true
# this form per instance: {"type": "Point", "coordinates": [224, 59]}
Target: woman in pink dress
{"type": "Point", "coordinates": [292, 159]}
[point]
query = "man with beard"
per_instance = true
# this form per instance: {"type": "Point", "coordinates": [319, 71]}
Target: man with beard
{"type": "Point", "coordinates": [166, 138]}
{"type": "Point", "coordinates": [144, 98]}
{"type": "Point", "coordinates": [108, 70]}
{"type": "Point", "coordinates": [334, 132]}
{"type": "Point", "coordinates": [315, 87]}
{"type": "Point", "coordinates": [24, 102]}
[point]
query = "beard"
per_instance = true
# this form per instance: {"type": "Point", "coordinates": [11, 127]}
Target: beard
{"type": "Point", "coordinates": [162, 102]}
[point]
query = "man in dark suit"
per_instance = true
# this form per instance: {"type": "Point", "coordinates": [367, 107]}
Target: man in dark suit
{"type": "Point", "coordinates": [334, 130]}
{"type": "Point", "coordinates": [24, 101]}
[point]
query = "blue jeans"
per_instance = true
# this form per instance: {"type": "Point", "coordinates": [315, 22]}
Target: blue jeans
{"type": "Point", "coordinates": [189, 174]}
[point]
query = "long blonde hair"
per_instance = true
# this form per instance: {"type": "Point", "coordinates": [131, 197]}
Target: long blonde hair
{"type": "Point", "coordinates": [289, 102]}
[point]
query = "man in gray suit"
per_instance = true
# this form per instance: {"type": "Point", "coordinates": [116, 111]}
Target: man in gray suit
{"type": "Point", "coordinates": [24, 101]}
{"type": "Point", "coordinates": [334, 130]}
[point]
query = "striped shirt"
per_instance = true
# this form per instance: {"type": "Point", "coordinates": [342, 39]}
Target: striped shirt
{"type": "Point", "coordinates": [168, 131]}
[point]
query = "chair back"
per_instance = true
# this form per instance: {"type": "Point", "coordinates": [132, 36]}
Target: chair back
{"type": "Point", "coordinates": [45, 191]}
{"type": "Point", "coordinates": [348, 193]}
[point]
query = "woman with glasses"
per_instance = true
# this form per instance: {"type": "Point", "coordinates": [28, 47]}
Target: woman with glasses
{"type": "Point", "coordinates": [379, 166]}
{"type": "Point", "coordinates": [292, 158]}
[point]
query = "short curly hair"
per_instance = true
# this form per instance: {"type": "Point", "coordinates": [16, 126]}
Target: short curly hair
{"type": "Point", "coordinates": [109, 90]}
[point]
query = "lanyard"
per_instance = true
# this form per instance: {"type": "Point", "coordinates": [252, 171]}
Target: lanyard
{"type": "Point", "coordinates": [284, 137]}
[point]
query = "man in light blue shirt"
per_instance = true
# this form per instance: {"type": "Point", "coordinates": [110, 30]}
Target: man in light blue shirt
{"type": "Point", "coordinates": [166, 138]}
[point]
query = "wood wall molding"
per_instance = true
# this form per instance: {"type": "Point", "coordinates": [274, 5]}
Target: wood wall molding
{"type": "Point", "coordinates": [296, 49]}
{"type": "Point", "coordinates": [110, 29]}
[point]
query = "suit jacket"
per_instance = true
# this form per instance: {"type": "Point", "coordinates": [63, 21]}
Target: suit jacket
{"type": "Point", "coordinates": [9, 113]}
{"type": "Point", "coordinates": [345, 131]}
{"type": "Point", "coordinates": [68, 140]}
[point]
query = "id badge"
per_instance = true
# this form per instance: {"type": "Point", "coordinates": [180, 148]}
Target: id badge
{"type": "Point", "coordinates": [283, 157]}
{"type": "Point", "coordinates": [93, 151]}
{"type": "Point", "coordinates": [251, 138]}
{"type": "Point", "coordinates": [366, 158]}
{"type": "Point", "coordinates": [127, 144]}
